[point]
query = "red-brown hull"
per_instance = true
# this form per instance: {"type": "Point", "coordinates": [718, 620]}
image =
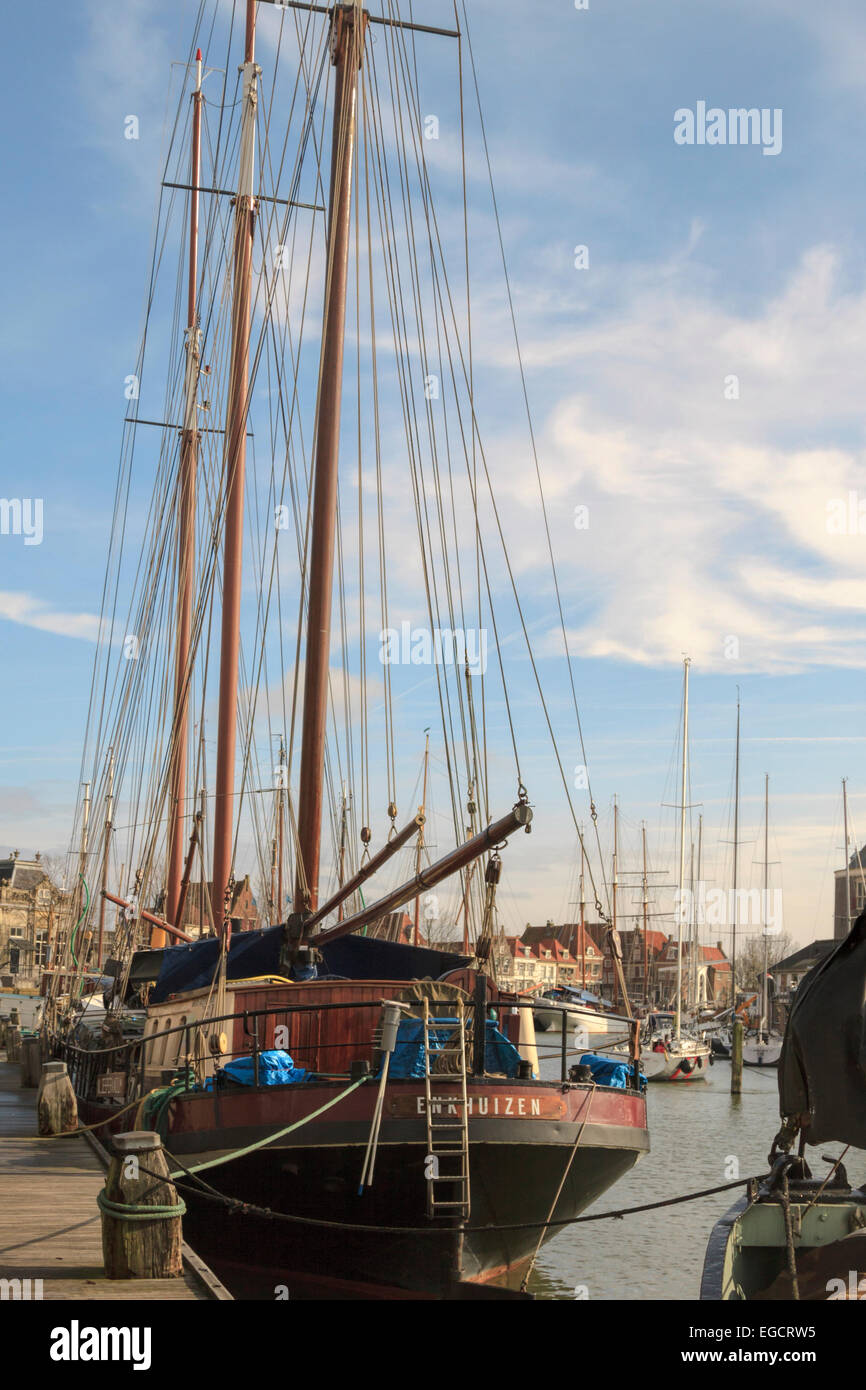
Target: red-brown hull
{"type": "Point", "coordinates": [522, 1136]}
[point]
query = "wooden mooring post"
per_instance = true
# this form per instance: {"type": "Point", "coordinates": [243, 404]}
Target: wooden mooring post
{"type": "Point", "coordinates": [31, 1060]}
{"type": "Point", "coordinates": [13, 1042]}
{"type": "Point", "coordinates": [141, 1216]}
{"type": "Point", "coordinates": [56, 1106]}
{"type": "Point", "coordinates": [737, 1058]}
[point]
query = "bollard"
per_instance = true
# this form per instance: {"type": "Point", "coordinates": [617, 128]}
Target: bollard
{"type": "Point", "coordinates": [56, 1106]}
{"type": "Point", "coordinates": [31, 1061]}
{"type": "Point", "coordinates": [141, 1217]}
{"type": "Point", "coordinates": [13, 1043]}
{"type": "Point", "coordinates": [737, 1058]}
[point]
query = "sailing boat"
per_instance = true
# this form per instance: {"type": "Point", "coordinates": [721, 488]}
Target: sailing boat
{"type": "Point", "coordinates": [368, 1112]}
{"type": "Point", "coordinates": [670, 1052]}
{"type": "Point", "coordinates": [765, 1047]}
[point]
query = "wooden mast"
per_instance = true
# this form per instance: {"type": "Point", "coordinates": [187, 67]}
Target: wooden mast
{"type": "Point", "coordinates": [645, 944]}
{"type": "Point", "coordinates": [347, 44]}
{"type": "Point", "coordinates": [582, 914]}
{"type": "Point", "coordinates": [186, 538]}
{"type": "Point", "coordinates": [280, 830]}
{"type": "Point", "coordinates": [233, 477]}
{"type": "Point", "coordinates": [422, 810]}
{"type": "Point", "coordinates": [106, 852]}
{"type": "Point", "coordinates": [615, 886]}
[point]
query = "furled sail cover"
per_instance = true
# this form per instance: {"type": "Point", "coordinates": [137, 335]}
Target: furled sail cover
{"type": "Point", "coordinates": [263, 952]}
{"type": "Point", "coordinates": [822, 1069]}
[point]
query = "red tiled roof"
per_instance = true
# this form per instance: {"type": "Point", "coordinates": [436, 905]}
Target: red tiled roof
{"type": "Point", "coordinates": [714, 954]}
{"type": "Point", "coordinates": [520, 948]}
{"type": "Point", "coordinates": [556, 949]}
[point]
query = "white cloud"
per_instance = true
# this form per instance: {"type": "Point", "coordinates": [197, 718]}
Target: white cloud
{"type": "Point", "coordinates": [33, 612]}
{"type": "Point", "coordinates": [708, 516]}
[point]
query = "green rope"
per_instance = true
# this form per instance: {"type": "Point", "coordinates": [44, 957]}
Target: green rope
{"type": "Point", "coordinates": [270, 1138]}
{"type": "Point", "coordinates": [155, 1109]}
{"type": "Point", "coordinates": [134, 1212]}
{"type": "Point", "coordinates": [80, 920]}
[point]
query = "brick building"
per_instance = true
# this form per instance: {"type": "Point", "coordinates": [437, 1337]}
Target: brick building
{"type": "Point", "coordinates": [29, 905]}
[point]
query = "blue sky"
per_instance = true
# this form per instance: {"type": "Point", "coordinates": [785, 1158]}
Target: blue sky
{"type": "Point", "coordinates": [708, 516]}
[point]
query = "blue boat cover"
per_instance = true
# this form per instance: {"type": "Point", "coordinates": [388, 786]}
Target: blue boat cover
{"type": "Point", "coordinates": [407, 1061]}
{"type": "Point", "coordinates": [608, 1072]}
{"type": "Point", "coordinates": [368, 958]}
{"type": "Point", "coordinates": [275, 1069]}
{"type": "Point", "coordinates": [254, 953]}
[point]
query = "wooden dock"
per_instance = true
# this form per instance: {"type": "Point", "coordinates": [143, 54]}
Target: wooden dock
{"type": "Point", "coordinates": [50, 1227]}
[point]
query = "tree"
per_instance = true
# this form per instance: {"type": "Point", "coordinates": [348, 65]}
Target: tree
{"type": "Point", "coordinates": [750, 958]}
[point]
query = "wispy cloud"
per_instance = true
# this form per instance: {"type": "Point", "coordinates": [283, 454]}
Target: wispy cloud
{"type": "Point", "coordinates": [28, 611]}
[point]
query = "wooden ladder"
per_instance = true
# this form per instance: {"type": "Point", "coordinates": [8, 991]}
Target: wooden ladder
{"type": "Point", "coordinates": [447, 1165]}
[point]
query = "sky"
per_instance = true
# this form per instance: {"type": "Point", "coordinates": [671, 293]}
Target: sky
{"type": "Point", "coordinates": [694, 373]}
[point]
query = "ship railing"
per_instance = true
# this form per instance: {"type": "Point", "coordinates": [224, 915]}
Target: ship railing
{"type": "Point", "coordinates": [134, 1056]}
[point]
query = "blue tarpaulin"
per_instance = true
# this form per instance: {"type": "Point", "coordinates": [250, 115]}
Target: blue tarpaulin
{"type": "Point", "coordinates": [253, 953]}
{"type": "Point", "coordinates": [275, 1069]}
{"type": "Point", "coordinates": [606, 1071]}
{"type": "Point", "coordinates": [408, 1058]}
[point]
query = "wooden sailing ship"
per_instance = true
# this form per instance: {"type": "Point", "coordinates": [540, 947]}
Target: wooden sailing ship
{"type": "Point", "coordinates": [391, 1135]}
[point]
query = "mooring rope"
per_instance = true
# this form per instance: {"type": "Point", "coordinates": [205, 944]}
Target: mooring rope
{"type": "Point", "coordinates": [209, 1193]}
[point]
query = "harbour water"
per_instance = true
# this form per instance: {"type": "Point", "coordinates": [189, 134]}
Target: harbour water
{"type": "Point", "coordinates": [701, 1136]}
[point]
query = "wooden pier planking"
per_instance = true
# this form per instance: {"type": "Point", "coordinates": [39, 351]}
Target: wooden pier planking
{"type": "Point", "coordinates": [50, 1227]}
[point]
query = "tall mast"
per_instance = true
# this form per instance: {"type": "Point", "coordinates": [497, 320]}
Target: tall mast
{"type": "Point", "coordinates": [736, 859]}
{"type": "Point", "coordinates": [420, 845]}
{"type": "Point", "coordinates": [764, 900]}
{"type": "Point", "coordinates": [686, 665]}
{"type": "Point", "coordinates": [645, 904]}
{"type": "Point", "coordinates": [696, 897]}
{"type": "Point", "coordinates": [185, 539]}
{"type": "Point", "coordinates": [234, 470]}
{"type": "Point", "coordinates": [690, 995]}
{"type": "Point", "coordinates": [347, 46]}
{"type": "Point", "coordinates": [106, 851]}
{"type": "Point", "coordinates": [582, 914]}
{"type": "Point", "coordinates": [344, 836]}
{"type": "Point", "coordinates": [281, 830]}
{"type": "Point", "coordinates": [614, 885]}
{"type": "Point", "coordinates": [847, 858]}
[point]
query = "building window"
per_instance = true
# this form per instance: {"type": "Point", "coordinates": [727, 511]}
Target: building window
{"type": "Point", "coordinates": [16, 931]}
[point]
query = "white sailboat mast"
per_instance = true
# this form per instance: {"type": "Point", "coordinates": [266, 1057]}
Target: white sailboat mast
{"type": "Point", "coordinates": [765, 900]}
{"type": "Point", "coordinates": [682, 882]}
{"type": "Point", "coordinates": [847, 857]}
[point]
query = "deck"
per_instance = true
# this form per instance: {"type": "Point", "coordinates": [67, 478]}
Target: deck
{"type": "Point", "coordinates": [49, 1223]}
